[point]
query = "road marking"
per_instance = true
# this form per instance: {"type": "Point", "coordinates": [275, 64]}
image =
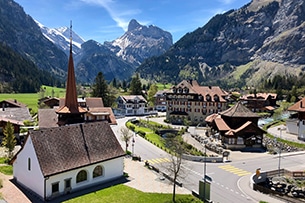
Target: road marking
{"type": "Point", "coordinates": [234, 170]}
{"type": "Point", "coordinates": [157, 160]}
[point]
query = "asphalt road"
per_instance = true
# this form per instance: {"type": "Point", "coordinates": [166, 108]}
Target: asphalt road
{"type": "Point", "coordinates": [226, 177]}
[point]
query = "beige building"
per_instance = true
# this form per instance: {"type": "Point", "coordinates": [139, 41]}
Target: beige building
{"type": "Point", "coordinates": [189, 102]}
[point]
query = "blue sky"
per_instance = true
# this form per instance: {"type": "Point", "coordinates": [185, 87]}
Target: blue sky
{"type": "Point", "coordinates": [106, 20]}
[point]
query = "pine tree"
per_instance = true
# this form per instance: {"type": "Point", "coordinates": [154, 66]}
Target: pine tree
{"type": "Point", "coordinates": [135, 85]}
{"type": "Point", "coordinates": [9, 140]}
{"type": "Point", "coordinates": [100, 89]}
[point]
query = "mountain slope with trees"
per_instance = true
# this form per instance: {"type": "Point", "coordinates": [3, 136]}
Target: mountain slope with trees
{"type": "Point", "coordinates": [20, 75]}
{"type": "Point", "coordinates": [239, 48]}
{"type": "Point", "coordinates": [21, 33]}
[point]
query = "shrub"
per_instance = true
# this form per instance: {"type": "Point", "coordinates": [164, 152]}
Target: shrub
{"type": "Point", "coordinates": [141, 133]}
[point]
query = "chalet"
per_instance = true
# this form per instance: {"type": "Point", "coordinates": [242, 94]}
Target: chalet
{"type": "Point", "coordinates": [58, 160]}
{"type": "Point", "coordinates": [260, 102]}
{"type": "Point", "coordinates": [237, 127]}
{"type": "Point", "coordinates": [51, 102]}
{"type": "Point", "coordinates": [160, 100]}
{"type": "Point", "coordinates": [130, 105]}
{"type": "Point", "coordinates": [188, 101]}
{"type": "Point", "coordinates": [296, 123]}
{"type": "Point", "coordinates": [16, 116]}
{"type": "Point", "coordinates": [10, 103]}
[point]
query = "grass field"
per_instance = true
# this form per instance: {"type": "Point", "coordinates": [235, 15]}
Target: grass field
{"type": "Point", "coordinates": [122, 193]}
{"type": "Point", "coordinates": [31, 99]}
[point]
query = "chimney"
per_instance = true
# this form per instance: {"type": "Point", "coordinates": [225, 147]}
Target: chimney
{"type": "Point", "coordinates": [3, 106]}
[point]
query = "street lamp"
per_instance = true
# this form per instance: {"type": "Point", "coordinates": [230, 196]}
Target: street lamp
{"type": "Point", "coordinates": [204, 171]}
{"type": "Point", "coordinates": [280, 149]}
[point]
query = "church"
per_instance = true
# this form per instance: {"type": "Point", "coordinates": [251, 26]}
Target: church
{"type": "Point", "coordinates": [71, 155]}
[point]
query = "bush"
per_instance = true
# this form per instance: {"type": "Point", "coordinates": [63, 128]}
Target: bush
{"type": "Point", "coordinates": [131, 127]}
{"type": "Point", "coordinates": [141, 133]}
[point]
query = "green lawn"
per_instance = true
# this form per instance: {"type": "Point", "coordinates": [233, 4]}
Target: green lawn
{"type": "Point", "coordinates": [122, 193]}
{"type": "Point", "coordinates": [163, 86]}
{"type": "Point", "coordinates": [30, 99]}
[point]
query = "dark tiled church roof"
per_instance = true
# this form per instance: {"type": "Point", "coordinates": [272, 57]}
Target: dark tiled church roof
{"type": "Point", "coordinates": [65, 148]}
{"type": "Point", "coordinates": [239, 110]}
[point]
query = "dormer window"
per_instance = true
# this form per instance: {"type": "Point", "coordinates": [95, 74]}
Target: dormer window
{"type": "Point", "coordinates": [208, 98]}
{"type": "Point", "coordinates": [185, 90]}
{"type": "Point", "coordinates": [179, 90]}
{"type": "Point", "coordinates": [216, 98]}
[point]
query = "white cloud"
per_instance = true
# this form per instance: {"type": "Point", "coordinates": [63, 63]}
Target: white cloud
{"type": "Point", "coordinates": [118, 12]}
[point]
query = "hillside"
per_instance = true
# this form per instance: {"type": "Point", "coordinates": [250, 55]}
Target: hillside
{"type": "Point", "coordinates": [263, 36]}
{"type": "Point", "coordinates": [19, 75]}
{"type": "Point", "coordinates": [21, 33]}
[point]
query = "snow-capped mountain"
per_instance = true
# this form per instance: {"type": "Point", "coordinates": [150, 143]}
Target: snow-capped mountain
{"type": "Point", "coordinates": [120, 58]}
{"type": "Point", "coordinates": [140, 42]}
{"type": "Point", "coordinates": [61, 38]}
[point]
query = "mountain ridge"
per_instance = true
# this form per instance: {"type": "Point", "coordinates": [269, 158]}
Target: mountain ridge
{"type": "Point", "coordinates": [269, 34]}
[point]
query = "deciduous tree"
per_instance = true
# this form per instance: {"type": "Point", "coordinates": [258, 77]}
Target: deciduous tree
{"type": "Point", "coordinates": [174, 143]}
{"type": "Point", "coordinates": [125, 136]}
{"type": "Point", "coordinates": [151, 93]}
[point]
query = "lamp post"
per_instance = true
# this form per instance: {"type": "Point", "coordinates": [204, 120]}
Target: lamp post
{"type": "Point", "coordinates": [204, 171]}
{"type": "Point", "coordinates": [132, 144]}
{"type": "Point", "coordinates": [280, 149]}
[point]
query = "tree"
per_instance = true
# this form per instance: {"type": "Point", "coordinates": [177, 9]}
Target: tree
{"type": "Point", "coordinates": [135, 85]}
{"type": "Point", "coordinates": [151, 93]}
{"type": "Point", "coordinates": [9, 140]}
{"type": "Point", "coordinates": [125, 136]}
{"type": "Point", "coordinates": [175, 144]}
{"type": "Point", "coordinates": [100, 89]}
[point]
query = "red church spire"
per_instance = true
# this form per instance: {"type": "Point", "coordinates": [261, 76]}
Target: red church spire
{"type": "Point", "coordinates": [71, 110]}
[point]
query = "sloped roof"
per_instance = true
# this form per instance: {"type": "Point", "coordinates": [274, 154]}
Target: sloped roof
{"type": "Point", "coordinates": [221, 124]}
{"type": "Point", "coordinates": [93, 102]}
{"type": "Point", "coordinates": [133, 97]}
{"type": "Point", "coordinates": [12, 102]}
{"type": "Point", "coordinates": [243, 127]}
{"type": "Point", "coordinates": [47, 118]}
{"type": "Point", "coordinates": [105, 111]}
{"type": "Point", "coordinates": [17, 114]}
{"type": "Point", "coordinates": [298, 106]}
{"type": "Point", "coordinates": [239, 110]}
{"type": "Point", "coordinates": [65, 148]}
{"type": "Point", "coordinates": [262, 96]}
{"type": "Point", "coordinates": [195, 88]}
{"type": "Point", "coordinates": [210, 118]}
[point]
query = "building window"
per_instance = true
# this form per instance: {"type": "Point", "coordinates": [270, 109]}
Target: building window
{"type": "Point", "coordinates": [98, 171]}
{"type": "Point", "coordinates": [68, 183]}
{"type": "Point", "coordinates": [81, 176]}
{"type": "Point", "coordinates": [29, 164]}
{"type": "Point", "coordinates": [55, 187]}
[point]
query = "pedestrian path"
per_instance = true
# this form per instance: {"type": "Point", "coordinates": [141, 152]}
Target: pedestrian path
{"type": "Point", "coordinates": [157, 161]}
{"type": "Point", "coordinates": [234, 170]}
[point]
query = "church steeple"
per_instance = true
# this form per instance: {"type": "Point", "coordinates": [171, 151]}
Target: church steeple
{"type": "Point", "coordinates": [71, 112]}
{"type": "Point", "coordinates": [71, 95]}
